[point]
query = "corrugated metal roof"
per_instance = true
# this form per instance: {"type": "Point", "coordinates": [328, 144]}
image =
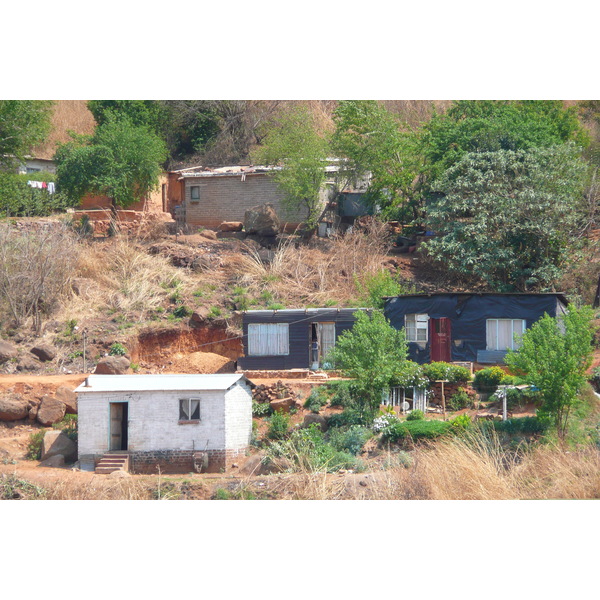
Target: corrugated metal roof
{"type": "Point", "coordinates": [307, 311]}
{"type": "Point", "coordinates": [163, 382]}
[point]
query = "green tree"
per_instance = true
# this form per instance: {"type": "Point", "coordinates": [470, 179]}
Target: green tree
{"type": "Point", "coordinates": [293, 143]}
{"type": "Point", "coordinates": [492, 125]}
{"type": "Point", "coordinates": [121, 161]}
{"type": "Point", "coordinates": [23, 125]}
{"type": "Point", "coordinates": [554, 356]}
{"type": "Point", "coordinates": [509, 217]}
{"type": "Point", "coordinates": [373, 353]}
{"type": "Point", "coordinates": [380, 147]}
{"type": "Point", "coordinates": [148, 113]}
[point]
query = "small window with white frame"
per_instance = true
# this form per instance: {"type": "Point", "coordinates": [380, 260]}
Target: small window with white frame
{"type": "Point", "coordinates": [416, 326]}
{"type": "Point", "coordinates": [189, 410]}
{"type": "Point", "coordinates": [195, 193]}
{"type": "Point", "coordinates": [504, 334]}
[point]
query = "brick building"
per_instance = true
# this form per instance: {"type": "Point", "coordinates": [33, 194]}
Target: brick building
{"type": "Point", "coordinates": [180, 423]}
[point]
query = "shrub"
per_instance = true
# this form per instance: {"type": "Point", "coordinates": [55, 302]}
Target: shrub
{"type": "Point", "coordinates": [437, 371]}
{"type": "Point", "coordinates": [461, 422]}
{"type": "Point", "coordinates": [316, 400]}
{"type": "Point", "coordinates": [117, 349]}
{"type": "Point", "coordinates": [350, 440]}
{"type": "Point", "coordinates": [341, 393]}
{"type": "Point", "coordinates": [415, 415]}
{"type": "Point", "coordinates": [346, 418]}
{"type": "Point", "coordinates": [383, 420]}
{"type": "Point", "coordinates": [523, 425]}
{"type": "Point", "coordinates": [279, 425]}
{"type": "Point", "coordinates": [261, 409]}
{"type": "Point", "coordinates": [417, 430]}
{"type": "Point", "coordinates": [68, 424]}
{"type": "Point", "coordinates": [34, 447]}
{"type": "Point", "coordinates": [460, 400]}
{"type": "Point", "coordinates": [487, 380]}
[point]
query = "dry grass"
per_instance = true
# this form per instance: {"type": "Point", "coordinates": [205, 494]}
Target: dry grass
{"type": "Point", "coordinates": [316, 275]}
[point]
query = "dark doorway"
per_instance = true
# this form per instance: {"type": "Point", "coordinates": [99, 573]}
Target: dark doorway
{"type": "Point", "coordinates": [119, 414]}
{"type": "Point", "coordinates": [440, 333]}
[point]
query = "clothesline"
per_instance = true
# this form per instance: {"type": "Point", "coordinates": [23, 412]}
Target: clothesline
{"type": "Point", "coordinates": [42, 185]}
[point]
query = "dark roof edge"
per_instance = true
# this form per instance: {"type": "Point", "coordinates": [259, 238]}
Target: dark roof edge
{"type": "Point", "coordinates": [560, 295]}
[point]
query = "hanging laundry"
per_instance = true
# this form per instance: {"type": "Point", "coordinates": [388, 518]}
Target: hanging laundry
{"type": "Point", "coordinates": [51, 187]}
{"type": "Point", "coordinates": [44, 185]}
{"type": "Point", "coordinates": [31, 183]}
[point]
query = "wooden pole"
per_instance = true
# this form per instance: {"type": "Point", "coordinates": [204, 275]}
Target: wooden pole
{"type": "Point", "coordinates": [443, 401]}
{"type": "Point", "coordinates": [84, 364]}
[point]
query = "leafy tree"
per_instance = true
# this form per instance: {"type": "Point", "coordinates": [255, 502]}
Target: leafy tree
{"type": "Point", "coordinates": [492, 125]}
{"type": "Point", "coordinates": [148, 113]}
{"type": "Point", "coordinates": [121, 161]}
{"type": "Point", "coordinates": [508, 217]}
{"type": "Point", "coordinates": [378, 145]}
{"type": "Point", "coordinates": [23, 125]}
{"type": "Point", "coordinates": [293, 143]}
{"type": "Point", "coordinates": [372, 353]}
{"type": "Point", "coordinates": [554, 356]}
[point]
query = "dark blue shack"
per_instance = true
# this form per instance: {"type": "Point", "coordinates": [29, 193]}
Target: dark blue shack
{"type": "Point", "coordinates": [292, 338]}
{"type": "Point", "coordinates": [468, 327]}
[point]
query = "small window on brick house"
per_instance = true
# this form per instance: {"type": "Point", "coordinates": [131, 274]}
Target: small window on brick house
{"type": "Point", "coordinates": [195, 193]}
{"type": "Point", "coordinates": [189, 409]}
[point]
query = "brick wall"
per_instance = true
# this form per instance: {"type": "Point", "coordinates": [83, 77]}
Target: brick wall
{"type": "Point", "coordinates": [155, 433]}
{"type": "Point", "coordinates": [227, 198]}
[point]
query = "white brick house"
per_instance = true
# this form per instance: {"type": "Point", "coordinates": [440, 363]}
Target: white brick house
{"type": "Point", "coordinates": [180, 423]}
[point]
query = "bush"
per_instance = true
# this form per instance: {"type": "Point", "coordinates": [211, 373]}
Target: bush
{"type": "Point", "coordinates": [18, 199]}
{"type": "Point", "coordinates": [437, 371]}
{"type": "Point", "coordinates": [417, 430]}
{"type": "Point", "coordinates": [523, 425]}
{"type": "Point", "coordinates": [460, 400]}
{"type": "Point", "coordinates": [182, 311]}
{"type": "Point", "coordinates": [461, 422]}
{"type": "Point", "coordinates": [383, 420]}
{"type": "Point", "coordinates": [117, 349]}
{"type": "Point", "coordinates": [68, 424]}
{"type": "Point", "coordinates": [261, 409]}
{"type": "Point", "coordinates": [341, 393]}
{"type": "Point", "coordinates": [487, 380]}
{"type": "Point", "coordinates": [316, 400]}
{"type": "Point", "coordinates": [346, 418]}
{"type": "Point", "coordinates": [279, 425]}
{"type": "Point", "coordinates": [34, 447]}
{"type": "Point", "coordinates": [415, 415]}
{"type": "Point", "coordinates": [350, 440]}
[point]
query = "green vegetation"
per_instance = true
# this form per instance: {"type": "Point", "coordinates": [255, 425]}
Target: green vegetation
{"type": "Point", "coordinates": [442, 371]}
{"type": "Point", "coordinates": [488, 379]}
{"type": "Point", "coordinates": [372, 353]}
{"type": "Point", "coordinates": [554, 357]}
{"type": "Point", "coordinates": [279, 425]}
{"type": "Point", "coordinates": [316, 400]}
{"type": "Point", "coordinates": [13, 488]}
{"type": "Point", "coordinates": [34, 447]}
{"type": "Point", "coordinates": [121, 160]}
{"type": "Point", "coordinates": [402, 431]}
{"type": "Point", "coordinates": [117, 349]}
{"type": "Point", "coordinates": [415, 415]}
{"type": "Point", "coordinates": [373, 288]}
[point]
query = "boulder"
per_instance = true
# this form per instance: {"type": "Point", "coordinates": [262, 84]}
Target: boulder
{"type": "Point", "coordinates": [13, 408]}
{"type": "Point", "coordinates": [27, 363]}
{"type": "Point", "coordinates": [283, 404]}
{"type": "Point", "coordinates": [313, 418]}
{"type": "Point", "coordinates": [56, 443]}
{"type": "Point", "coordinates": [50, 411]}
{"type": "Point", "coordinates": [199, 317]}
{"type": "Point", "coordinates": [112, 365]}
{"type": "Point", "coordinates": [44, 352]}
{"type": "Point", "coordinates": [56, 461]}
{"type": "Point", "coordinates": [208, 234]}
{"type": "Point", "coordinates": [231, 226]}
{"type": "Point", "coordinates": [68, 397]}
{"type": "Point", "coordinates": [7, 351]}
{"type": "Point", "coordinates": [262, 220]}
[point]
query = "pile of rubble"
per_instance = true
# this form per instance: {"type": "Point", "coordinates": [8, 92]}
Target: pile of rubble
{"type": "Point", "coordinates": [281, 397]}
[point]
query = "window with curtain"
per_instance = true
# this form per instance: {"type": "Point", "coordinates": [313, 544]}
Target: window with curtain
{"type": "Point", "coordinates": [501, 333]}
{"type": "Point", "coordinates": [189, 409]}
{"type": "Point", "coordinates": [268, 339]}
{"type": "Point", "coordinates": [416, 327]}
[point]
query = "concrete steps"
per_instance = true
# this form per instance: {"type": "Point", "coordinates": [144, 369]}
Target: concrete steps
{"type": "Point", "coordinates": [113, 461]}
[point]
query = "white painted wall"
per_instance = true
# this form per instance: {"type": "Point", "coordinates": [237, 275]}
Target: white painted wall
{"type": "Point", "coordinates": [225, 420]}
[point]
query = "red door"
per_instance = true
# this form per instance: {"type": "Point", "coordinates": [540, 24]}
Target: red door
{"type": "Point", "coordinates": [440, 337]}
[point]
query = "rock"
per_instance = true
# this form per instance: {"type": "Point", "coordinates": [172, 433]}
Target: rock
{"type": "Point", "coordinates": [112, 365]}
{"type": "Point", "coordinates": [231, 226]}
{"type": "Point", "coordinates": [262, 220]}
{"type": "Point", "coordinates": [56, 461]}
{"type": "Point", "coordinates": [199, 317]}
{"type": "Point", "coordinates": [33, 411]}
{"type": "Point", "coordinates": [57, 442]}
{"type": "Point", "coordinates": [13, 408]}
{"type": "Point", "coordinates": [27, 363]}
{"type": "Point", "coordinates": [68, 397]}
{"type": "Point", "coordinates": [44, 352]}
{"type": "Point", "coordinates": [266, 256]}
{"type": "Point", "coordinates": [7, 351]}
{"type": "Point", "coordinates": [50, 411]}
{"type": "Point", "coordinates": [209, 234]}
{"type": "Point", "coordinates": [283, 404]}
{"type": "Point", "coordinates": [313, 418]}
